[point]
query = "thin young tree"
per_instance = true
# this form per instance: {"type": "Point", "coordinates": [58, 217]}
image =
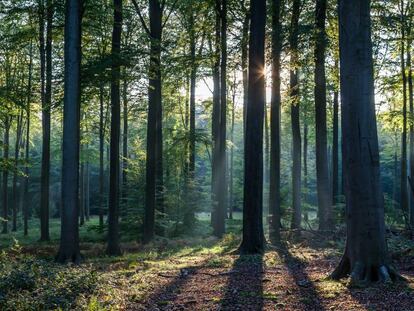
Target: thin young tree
{"type": "Point", "coordinates": [365, 258]}
{"type": "Point", "coordinates": [69, 237]}
{"type": "Point", "coordinates": [113, 247]}
{"type": "Point", "coordinates": [253, 237]}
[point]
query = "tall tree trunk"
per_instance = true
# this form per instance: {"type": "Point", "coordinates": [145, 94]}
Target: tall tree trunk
{"type": "Point", "coordinates": [266, 145]}
{"type": "Point", "coordinates": [154, 127]}
{"type": "Point", "coordinates": [82, 191]}
{"type": "Point", "coordinates": [274, 186]}
{"type": "Point", "coordinates": [6, 142]}
{"type": "Point", "coordinates": [215, 182]}
{"type": "Point", "coordinates": [365, 258]}
{"type": "Point", "coordinates": [253, 236]}
{"type": "Point", "coordinates": [45, 68]}
{"type": "Point", "coordinates": [101, 155]}
{"type": "Point", "coordinates": [244, 60]}
{"type": "Point", "coordinates": [27, 166]}
{"type": "Point", "coordinates": [335, 146]}
{"type": "Point", "coordinates": [322, 172]}
{"type": "Point", "coordinates": [125, 139]}
{"type": "Point", "coordinates": [190, 178]}
{"type": "Point", "coordinates": [19, 127]}
{"type": "Point", "coordinates": [411, 107]}
{"type": "Point", "coordinates": [69, 237]}
{"type": "Point", "coordinates": [305, 165]}
{"type": "Point", "coordinates": [113, 247]}
{"type": "Point", "coordinates": [294, 94]}
{"type": "Point", "coordinates": [231, 164]}
{"type": "Point", "coordinates": [219, 228]}
{"type": "Point", "coordinates": [404, 189]}
{"type": "Point", "coordinates": [87, 189]}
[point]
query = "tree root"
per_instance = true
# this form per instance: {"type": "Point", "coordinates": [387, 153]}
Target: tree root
{"type": "Point", "coordinates": [364, 274]}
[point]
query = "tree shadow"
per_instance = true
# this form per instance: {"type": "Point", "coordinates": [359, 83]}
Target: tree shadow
{"type": "Point", "coordinates": [307, 295]}
{"type": "Point", "coordinates": [244, 289]}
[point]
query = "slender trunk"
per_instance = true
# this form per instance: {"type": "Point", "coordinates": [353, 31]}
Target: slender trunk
{"type": "Point", "coordinates": [82, 192]}
{"type": "Point", "coordinates": [267, 146]}
{"type": "Point", "coordinates": [294, 94]}
{"type": "Point", "coordinates": [231, 168]}
{"type": "Point", "coordinates": [6, 143]}
{"type": "Point", "coordinates": [87, 190]}
{"type": "Point", "coordinates": [253, 236]}
{"type": "Point", "coordinates": [274, 186]}
{"type": "Point", "coordinates": [27, 166]}
{"type": "Point", "coordinates": [113, 247]}
{"type": "Point", "coordinates": [335, 147]}
{"type": "Point", "coordinates": [69, 237]}
{"type": "Point", "coordinates": [19, 128]}
{"type": "Point", "coordinates": [322, 172]}
{"type": "Point", "coordinates": [154, 126]}
{"type": "Point", "coordinates": [305, 166]}
{"type": "Point", "coordinates": [216, 122]}
{"type": "Point", "coordinates": [365, 258]}
{"type": "Point", "coordinates": [125, 140]}
{"type": "Point", "coordinates": [244, 62]}
{"type": "Point", "coordinates": [101, 155]}
{"type": "Point", "coordinates": [411, 107]}
{"type": "Point", "coordinates": [404, 189]}
{"type": "Point", "coordinates": [219, 229]}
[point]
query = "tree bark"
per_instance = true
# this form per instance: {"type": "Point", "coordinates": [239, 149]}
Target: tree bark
{"type": "Point", "coordinates": [19, 128]}
{"type": "Point", "coordinates": [411, 107]}
{"type": "Point", "coordinates": [335, 146]}
{"type": "Point", "coordinates": [101, 155]}
{"type": "Point", "coordinates": [69, 238]}
{"type": "Point", "coordinates": [253, 236]}
{"type": "Point", "coordinates": [294, 95]}
{"type": "Point", "coordinates": [125, 140]}
{"type": "Point", "coordinates": [322, 172]}
{"type": "Point", "coordinates": [113, 247]}
{"type": "Point", "coordinates": [154, 126]}
{"type": "Point", "coordinates": [404, 181]}
{"type": "Point", "coordinates": [365, 258]}
{"type": "Point", "coordinates": [6, 142]}
{"type": "Point", "coordinates": [274, 186]}
{"type": "Point", "coordinates": [27, 156]}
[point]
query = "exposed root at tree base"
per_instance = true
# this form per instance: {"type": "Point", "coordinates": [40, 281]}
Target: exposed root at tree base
{"type": "Point", "coordinates": [363, 274]}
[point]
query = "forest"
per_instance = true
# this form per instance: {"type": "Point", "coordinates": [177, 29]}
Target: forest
{"type": "Point", "coordinates": [206, 155]}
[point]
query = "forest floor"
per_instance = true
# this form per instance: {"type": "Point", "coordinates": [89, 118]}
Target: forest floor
{"type": "Point", "coordinates": [197, 273]}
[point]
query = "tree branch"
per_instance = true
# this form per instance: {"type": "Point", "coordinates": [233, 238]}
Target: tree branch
{"type": "Point", "coordinates": [144, 25]}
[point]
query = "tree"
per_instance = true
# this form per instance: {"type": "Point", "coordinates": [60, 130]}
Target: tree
{"type": "Point", "coordinates": [113, 247]}
{"type": "Point", "coordinates": [294, 95]}
{"type": "Point", "coordinates": [274, 186]}
{"type": "Point", "coordinates": [5, 201]}
{"type": "Point", "coordinates": [69, 237]}
{"type": "Point", "coordinates": [253, 237]}
{"type": "Point", "coordinates": [365, 258]}
{"type": "Point", "coordinates": [322, 173]}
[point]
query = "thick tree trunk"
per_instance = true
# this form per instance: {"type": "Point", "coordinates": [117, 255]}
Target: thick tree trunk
{"type": "Point", "coordinates": [365, 258]}
{"type": "Point", "coordinates": [113, 247]}
{"type": "Point", "coordinates": [253, 236]}
{"type": "Point", "coordinates": [274, 186]}
{"type": "Point", "coordinates": [69, 237]}
{"type": "Point", "coordinates": [294, 94]}
{"type": "Point", "coordinates": [322, 172]}
{"type": "Point", "coordinates": [5, 201]}
{"type": "Point", "coordinates": [154, 126]}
